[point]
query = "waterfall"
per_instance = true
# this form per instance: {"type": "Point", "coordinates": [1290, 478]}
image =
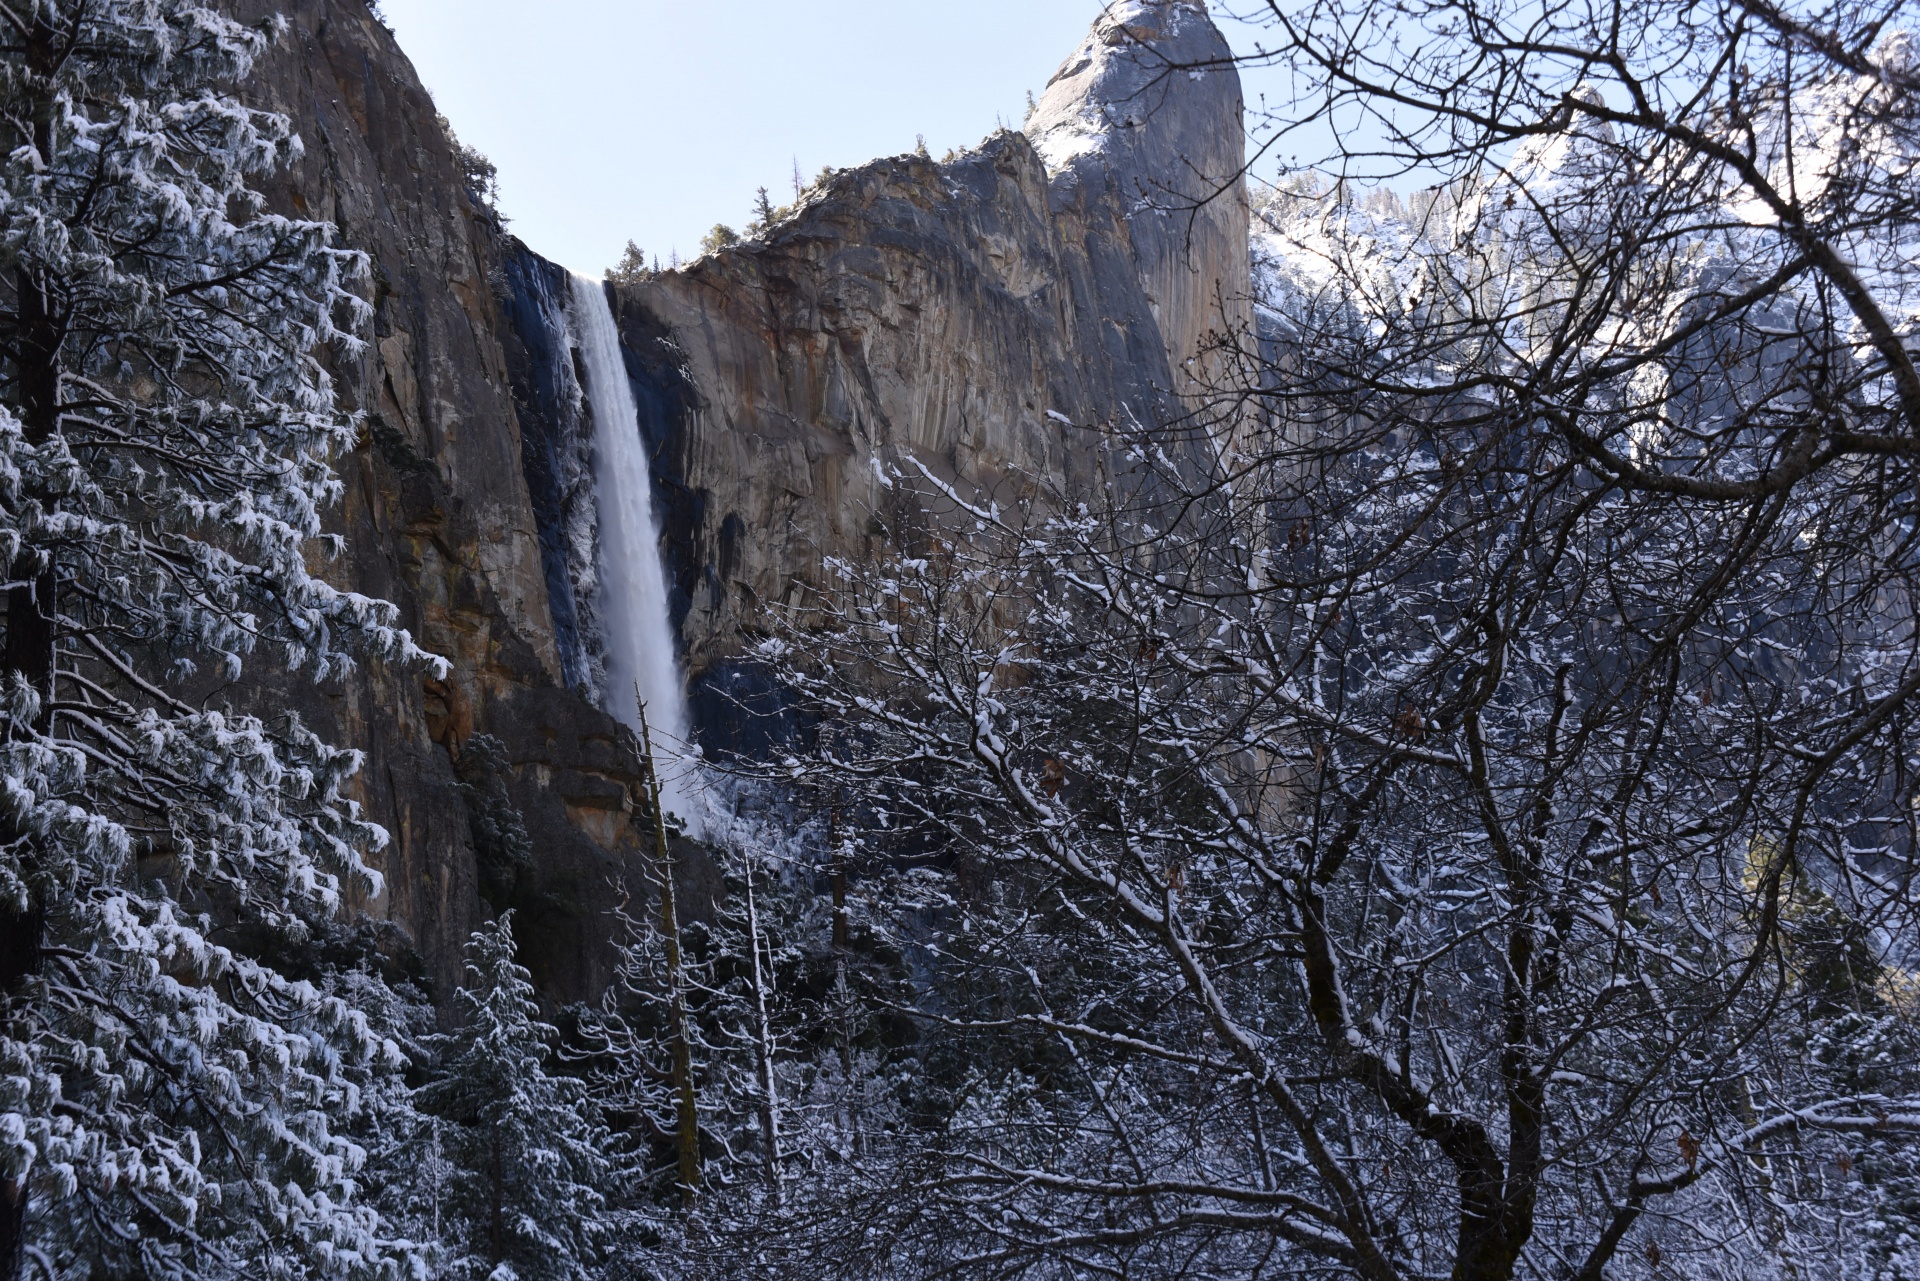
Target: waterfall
{"type": "Point", "coordinates": [637, 630]}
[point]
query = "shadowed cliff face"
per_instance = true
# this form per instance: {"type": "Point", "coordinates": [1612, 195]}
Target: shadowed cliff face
{"type": "Point", "coordinates": [439, 519]}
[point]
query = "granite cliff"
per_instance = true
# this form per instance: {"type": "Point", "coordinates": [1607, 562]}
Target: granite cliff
{"type": "Point", "coordinates": [437, 518]}
{"type": "Point", "coordinates": [984, 314]}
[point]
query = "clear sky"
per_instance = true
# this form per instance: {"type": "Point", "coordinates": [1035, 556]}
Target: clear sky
{"type": "Point", "coordinates": [655, 119]}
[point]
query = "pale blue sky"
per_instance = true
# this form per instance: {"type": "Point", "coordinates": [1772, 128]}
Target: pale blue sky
{"type": "Point", "coordinates": [655, 119]}
{"type": "Point", "coordinates": [651, 119]}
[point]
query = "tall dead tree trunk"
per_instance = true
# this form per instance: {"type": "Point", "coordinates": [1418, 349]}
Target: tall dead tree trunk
{"type": "Point", "coordinates": [686, 1103]}
{"type": "Point", "coordinates": [839, 849]}
{"type": "Point", "coordinates": [763, 1052]}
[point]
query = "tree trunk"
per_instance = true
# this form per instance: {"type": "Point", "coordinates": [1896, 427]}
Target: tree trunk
{"type": "Point", "coordinates": [686, 1104]}
{"type": "Point", "coordinates": [496, 1226]}
{"type": "Point", "coordinates": [13, 1222]}
{"type": "Point", "coordinates": [29, 655]}
{"type": "Point", "coordinates": [763, 1052]}
{"type": "Point", "coordinates": [23, 925]}
{"type": "Point", "coordinates": [840, 938]}
{"type": "Point", "coordinates": [1488, 1249]}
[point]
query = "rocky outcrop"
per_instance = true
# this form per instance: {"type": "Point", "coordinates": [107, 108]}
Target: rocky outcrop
{"type": "Point", "coordinates": [985, 315]}
{"type": "Point", "coordinates": [1147, 118]}
{"type": "Point", "coordinates": [908, 308]}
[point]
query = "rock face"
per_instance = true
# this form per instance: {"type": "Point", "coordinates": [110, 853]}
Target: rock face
{"type": "Point", "coordinates": [985, 316]}
{"type": "Point", "coordinates": [438, 519]}
{"type": "Point", "coordinates": [908, 308]}
{"type": "Point", "coordinates": [1147, 117]}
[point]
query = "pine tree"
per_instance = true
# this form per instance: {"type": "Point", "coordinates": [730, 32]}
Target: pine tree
{"type": "Point", "coordinates": [764, 215]}
{"type": "Point", "coordinates": [480, 175]}
{"type": "Point", "coordinates": [171, 1103]}
{"type": "Point", "coordinates": [503, 852]}
{"type": "Point", "coordinates": [632, 267]}
{"type": "Point", "coordinates": [526, 1196]}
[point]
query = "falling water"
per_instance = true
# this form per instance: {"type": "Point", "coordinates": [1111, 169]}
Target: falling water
{"type": "Point", "coordinates": [638, 632]}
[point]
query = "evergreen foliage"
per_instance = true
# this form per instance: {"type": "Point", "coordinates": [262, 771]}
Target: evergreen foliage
{"type": "Point", "coordinates": [765, 215]}
{"type": "Point", "coordinates": [172, 1103]}
{"type": "Point", "coordinates": [502, 849]}
{"type": "Point", "coordinates": [479, 174]}
{"type": "Point", "coordinates": [529, 1180]}
{"type": "Point", "coordinates": [632, 267]}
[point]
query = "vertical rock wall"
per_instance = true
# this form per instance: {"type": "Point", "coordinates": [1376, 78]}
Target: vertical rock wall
{"type": "Point", "coordinates": [909, 308]}
{"type": "Point", "coordinates": [439, 517]}
{"type": "Point", "coordinates": [555, 446]}
{"type": "Point", "coordinates": [987, 316]}
{"type": "Point", "coordinates": [1146, 120]}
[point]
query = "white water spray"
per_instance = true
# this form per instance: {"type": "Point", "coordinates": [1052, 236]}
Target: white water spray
{"type": "Point", "coordinates": [638, 631]}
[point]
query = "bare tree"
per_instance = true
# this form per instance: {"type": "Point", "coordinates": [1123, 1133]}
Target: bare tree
{"type": "Point", "coordinates": [1461, 820]}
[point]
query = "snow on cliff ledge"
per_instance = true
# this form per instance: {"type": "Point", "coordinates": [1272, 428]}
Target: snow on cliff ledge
{"type": "Point", "coordinates": [1121, 75]}
{"type": "Point", "coordinates": [1146, 120]}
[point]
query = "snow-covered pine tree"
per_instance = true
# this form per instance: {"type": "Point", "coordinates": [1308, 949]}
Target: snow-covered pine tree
{"type": "Point", "coordinates": [526, 1197]}
{"type": "Point", "coordinates": [170, 1102]}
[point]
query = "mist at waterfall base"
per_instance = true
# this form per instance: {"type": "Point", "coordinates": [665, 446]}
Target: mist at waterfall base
{"type": "Point", "coordinates": [638, 638]}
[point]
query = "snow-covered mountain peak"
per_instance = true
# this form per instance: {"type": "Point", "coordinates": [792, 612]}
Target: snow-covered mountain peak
{"type": "Point", "coordinates": [1583, 145]}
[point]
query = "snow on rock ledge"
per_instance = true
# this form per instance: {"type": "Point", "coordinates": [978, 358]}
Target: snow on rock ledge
{"type": "Point", "coordinates": [1148, 113]}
